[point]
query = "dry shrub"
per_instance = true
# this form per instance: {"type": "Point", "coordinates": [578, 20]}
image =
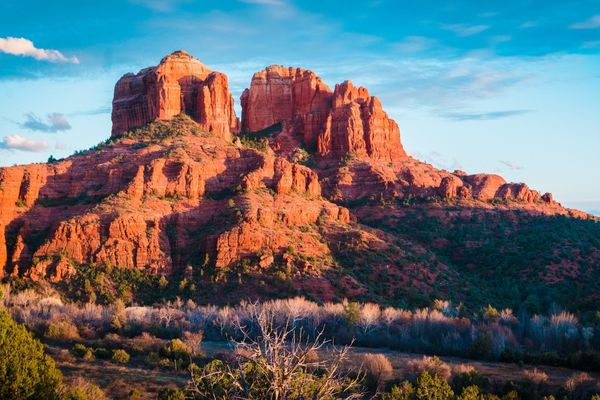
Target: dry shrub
{"type": "Point", "coordinates": [576, 380]}
{"type": "Point", "coordinates": [432, 365]}
{"type": "Point", "coordinates": [62, 331]}
{"type": "Point", "coordinates": [87, 332]}
{"type": "Point", "coordinates": [241, 353]}
{"type": "Point", "coordinates": [63, 356]}
{"type": "Point", "coordinates": [312, 356]}
{"type": "Point", "coordinates": [145, 343]}
{"type": "Point", "coordinates": [460, 369]}
{"type": "Point", "coordinates": [119, 389]}
{"type": "Point", "coordinates": [377, 368]}
{"type": "Point", "coordinates": [80, 388]}
{"type": "Point", "coordinates": [193, 340]}
{"type": "Point", "coordinates": [113, 340]}
{"type": "Point", "coordinates": [536, 376]}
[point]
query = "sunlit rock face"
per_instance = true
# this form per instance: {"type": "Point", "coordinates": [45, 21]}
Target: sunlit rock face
{"type": "Point", "coordinates": [334, 123]}
{"type": "Point", "coordinates": [179, 84]}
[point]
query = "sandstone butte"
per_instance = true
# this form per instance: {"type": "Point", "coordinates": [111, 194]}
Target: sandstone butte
{"type": "Point", "coordinates": [203, 197]}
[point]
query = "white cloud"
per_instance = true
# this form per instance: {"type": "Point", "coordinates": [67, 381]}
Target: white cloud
{"type": "Point", "coordinates": [592, 23]}
{"type": "Point", "coordinates": [56, 122]}
{"type": "Point", "coordinates": [16, 142]}
{"type": "Point", "coordinates": [466, 30]}
{"type": "Point", "coordinates": [25, 48]}
{"type": "Point", "coordinates": [510, 165]}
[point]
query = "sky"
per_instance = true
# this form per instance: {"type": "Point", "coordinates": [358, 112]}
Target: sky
{"type": "Point", "coordinates": [507, 87]}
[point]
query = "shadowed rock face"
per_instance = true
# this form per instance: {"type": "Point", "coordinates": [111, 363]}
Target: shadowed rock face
{"type": "Point", "coordinates": [179, 84]}
{"type": "Point", "coordinates": [196, 194]}
{"type": "Point", "coordinates": [335, 123]}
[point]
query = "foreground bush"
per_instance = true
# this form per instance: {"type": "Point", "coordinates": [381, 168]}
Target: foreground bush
{"type": "Point", "coordinates": [81, 389]}
{"type": "Point", "coordinates": [378, 369]}
{"type": "Point", "coordinates": [26, 372]}
{"type": "Point", "coordinates": [275, 364]}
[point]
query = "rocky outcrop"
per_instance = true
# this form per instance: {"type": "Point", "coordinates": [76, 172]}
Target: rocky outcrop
{"type": "Point", "coordinates": [291, 177]}
{"type": "Point", "coordinates": [179, 84]}
{"type": "Point", "coordinates": [357, 125]}
{"type": "Point", "coordinates": [345, 121]}
{"type": "Point", "coordinates": [279, 94]}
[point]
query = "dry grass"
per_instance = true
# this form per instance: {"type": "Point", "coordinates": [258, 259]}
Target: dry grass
{"type": "Point", "coordinates": [576, 380]}
{"type": "Point", "coordinates": [536, 376]}
{"type": "Point", "coordinates": [460, 369]}
{"type": "Point", "coordinates": [81, 388]}
{"type": "Point", "coordinates": [433, 365]}
{"type": "Point", "coordinates": [378, 368]}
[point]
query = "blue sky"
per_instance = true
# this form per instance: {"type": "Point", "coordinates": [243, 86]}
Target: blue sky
{"type": "Point", "coordinates": [511, 87]}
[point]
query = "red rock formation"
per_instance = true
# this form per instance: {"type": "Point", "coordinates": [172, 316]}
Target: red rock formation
{"type": "Point", "coordinates": [345, 121]}
{"type": "Point", "coordinates": [293, 177]}
{"type": "Point", "coordinates": [179, 84]}
{"type": "Point", "coordinates": [484, 186]}
{"type": "Point", "coordinates": [279, 94]}
{"type": "Point", "coordinates": [158, 207]}
{"type": "Point", "coordinates": [3, 253]}
{"type": "Point", "coordinates": [358, 125]}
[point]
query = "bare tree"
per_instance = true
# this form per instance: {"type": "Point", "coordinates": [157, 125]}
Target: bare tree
{"type": "Point", "coordinates": [276, 363]}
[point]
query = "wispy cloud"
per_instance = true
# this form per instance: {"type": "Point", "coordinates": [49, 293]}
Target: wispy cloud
{"type": "Point", "coordinates": [25, 48]}
{"type": "Point", "coordinates": [593, 44]}
{"type": "Point", "coordinates": [93, 111]}
{"type": "Point", "coordinates": [483, 116]}
{"type": "Point", "coordinates": [592, 23]}
{"type": "Point", "coordinates": [529, 24]}
{"type": "Point", "coordinates": [510, 165]}
{"type": "Point", "coordinates": [56, 123]}
{"type": "Point", "coordinates": [264, 2]}
{"type": "Point", "coordinates": [16, 142]}
{"type": "Point", "coordinates": [160, 5]}
{"type": "Point", "coordinates": [466, 30]}
{"type": "Point", "coordinates": [414, 44]}
{"type": "Point", "coordinates": [437, 159]}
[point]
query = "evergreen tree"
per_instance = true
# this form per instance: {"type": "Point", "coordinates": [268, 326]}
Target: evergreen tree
{"type": "Point", "coordinates": [26, 372]}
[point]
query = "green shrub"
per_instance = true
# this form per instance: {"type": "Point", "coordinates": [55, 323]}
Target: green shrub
{"type": "Point", "coordinates": [170, 394]}
{"type": "Point", "coordinates": [25, 371]}
{"type": "Point", "coordinates": [352, 313]}
{"type": "Point", "coordinates": [404, 391]}
{"type": "Point", "coordinates": [102, 353]}
{"type": "Point", "coordinates": [62, 331]}
{"type": "Point", "coordinates": [120, 356]}
{"type": "Point", "coordinates": [470, 393]}
{"type": "Point", "coordinates": [81, 351]}
{"type": "Point", "coordinates": [433, 388]}
{"type": "Point", "coordinates": [176, 349]}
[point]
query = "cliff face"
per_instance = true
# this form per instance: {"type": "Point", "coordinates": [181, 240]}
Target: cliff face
{"type": "Point", "coordinates": [178, 192]}
{"type": "Point", "coordinates": [179, 84]}
{"type": "Point", "coordinates": [335, 123]}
